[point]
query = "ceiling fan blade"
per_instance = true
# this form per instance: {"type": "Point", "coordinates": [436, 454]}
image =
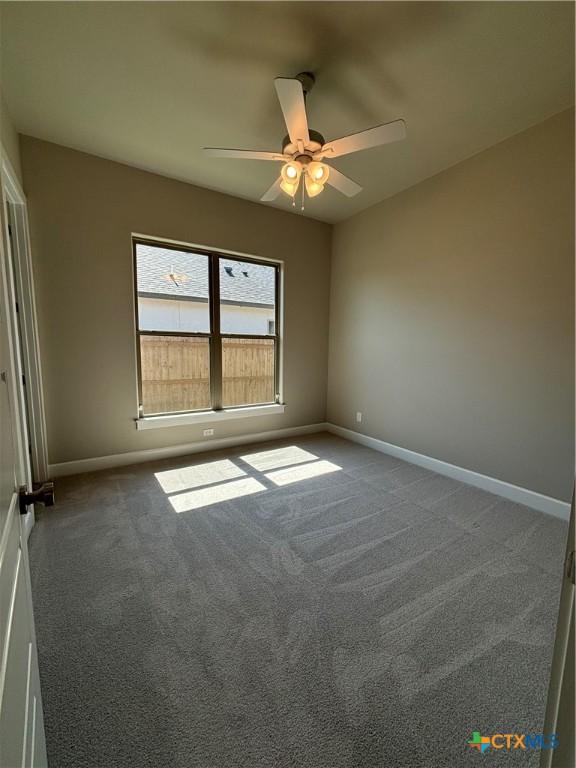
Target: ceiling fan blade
{"type": "Point", "coordinates": [343, 183]}
{"type": "Point", "coordinates": [273, 192]}
{"type": "Point", "coordinates": [374, 137]}
{"type": "Point", "coordinates": [291, 98]}
{"type": "Point", "coordinates": [242, 154]}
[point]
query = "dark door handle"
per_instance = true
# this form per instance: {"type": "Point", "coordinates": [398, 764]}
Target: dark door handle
{"type": "Point", "coordinates": [44, 494]}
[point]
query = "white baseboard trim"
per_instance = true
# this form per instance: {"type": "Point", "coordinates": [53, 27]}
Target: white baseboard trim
{"type": "Point", "coordinates": [152, 454]}
{"type": "Point", "coordinates": [515, 493]}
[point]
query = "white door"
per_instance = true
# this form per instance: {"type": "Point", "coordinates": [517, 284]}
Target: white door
{"type": "Point", "coordinates": [21, 721]}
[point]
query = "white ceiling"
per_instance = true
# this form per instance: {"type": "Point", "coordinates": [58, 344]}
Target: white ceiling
{"type": "Point", "coordinates": [150, 84]}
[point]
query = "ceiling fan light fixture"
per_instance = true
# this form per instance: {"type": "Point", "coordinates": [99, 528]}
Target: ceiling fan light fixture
{"type": "Point", "coordinates": [313, 188]}
{"type": "Point", "coordinates": [318, 172]}
{"type": "Point", "coordinates": [289, 188]}
{"type": "Point", "coordinates": [291, 172]}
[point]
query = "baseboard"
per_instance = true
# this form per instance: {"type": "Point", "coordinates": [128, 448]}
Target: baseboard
{"type": "Point", "coordinates": [152, 454]}
{"type": "Point", "coordinates": [515, 493]}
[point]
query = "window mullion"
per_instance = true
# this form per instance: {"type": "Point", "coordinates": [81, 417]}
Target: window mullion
{"type": "Point", "coordinates": [216, 339]}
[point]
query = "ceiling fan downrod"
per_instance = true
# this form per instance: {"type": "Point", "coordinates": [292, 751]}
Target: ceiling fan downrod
{"type": "Point", "coordinates": [307, 80]}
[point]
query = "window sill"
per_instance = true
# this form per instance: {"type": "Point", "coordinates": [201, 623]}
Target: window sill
{"type": "Point", "coordinates": [208, 417]}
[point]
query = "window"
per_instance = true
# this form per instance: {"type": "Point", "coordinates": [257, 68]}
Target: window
{"type": "Point", "coordinates": [207, 330]}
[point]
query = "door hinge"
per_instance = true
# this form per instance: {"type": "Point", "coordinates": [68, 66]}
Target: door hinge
{"type": "Point", "coordinates": [23, 380]}
{"type": "Point", "coordinates": [17, 308]}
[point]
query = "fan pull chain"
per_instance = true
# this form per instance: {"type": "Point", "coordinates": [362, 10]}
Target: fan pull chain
{"type": "Point", "coordinates": [302, 206]}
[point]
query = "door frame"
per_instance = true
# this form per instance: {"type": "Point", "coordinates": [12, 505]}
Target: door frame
{"type": "Point", "coordinates": [559, 689]}
{"type": "Point", "coordinates": [15, 532]}
{"type": "Point", "coordinates": [25, 339]}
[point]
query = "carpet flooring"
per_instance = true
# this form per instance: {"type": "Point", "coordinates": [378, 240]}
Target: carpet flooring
{"type": "Point", "coordinates": [308, 603]}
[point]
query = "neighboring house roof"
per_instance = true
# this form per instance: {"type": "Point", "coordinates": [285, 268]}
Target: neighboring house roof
{"type": "Point", "coordinates": [154, 266]}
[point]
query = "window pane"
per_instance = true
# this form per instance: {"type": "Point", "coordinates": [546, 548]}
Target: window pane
{"type": "Point", "coordinates": [172, 290]}
{"type": "Point", "coordinates": [175, 373]}
{"type": "Point", "coordinates": [247, 297]}
{"type": "Point", "coordinates": [247, 371]}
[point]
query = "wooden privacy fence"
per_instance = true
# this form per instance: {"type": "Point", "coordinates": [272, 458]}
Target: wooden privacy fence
{"type": "Point", "coordinates": [176, 372]}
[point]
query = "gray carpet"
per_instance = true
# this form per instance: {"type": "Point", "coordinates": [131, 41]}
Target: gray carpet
{"type": "Point", "coordinates": [369, 616]}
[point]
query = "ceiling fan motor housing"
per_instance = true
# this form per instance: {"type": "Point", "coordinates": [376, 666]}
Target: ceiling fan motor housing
{"type": "Point", "coordinates": [315, 144]}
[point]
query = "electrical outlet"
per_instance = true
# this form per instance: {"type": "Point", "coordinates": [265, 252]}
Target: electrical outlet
{"type": "Point", "coordinates": [359, 417]}
{"type": "Point", "coordinates": [208, 432]}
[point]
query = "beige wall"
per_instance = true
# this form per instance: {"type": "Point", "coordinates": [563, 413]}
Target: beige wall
{"type": "Point", "coordinates": [9, 138]}
{"type": "Point", "coordinates": [451, 318]}
{"type": "Point", "coordinates": [82, 212]}
{"type": "Point", "coordinates": [452, 314]}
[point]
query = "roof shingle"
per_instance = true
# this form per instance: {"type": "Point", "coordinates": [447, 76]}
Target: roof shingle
{"type": "Point", "coordinates": [241, 282]}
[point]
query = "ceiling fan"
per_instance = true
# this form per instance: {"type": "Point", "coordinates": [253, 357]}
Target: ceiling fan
{"type": "Point", "coordinates": [304, 151]}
